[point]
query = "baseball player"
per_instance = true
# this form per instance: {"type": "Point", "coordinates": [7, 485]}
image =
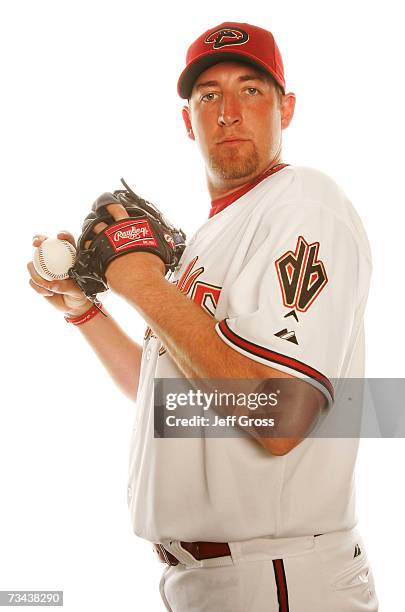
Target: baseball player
{"type": "Point", "coordinates": [273, 286]}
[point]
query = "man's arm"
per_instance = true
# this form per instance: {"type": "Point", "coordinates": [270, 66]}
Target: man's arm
{"type": "Point", "coordinates": [188, 334]}
{"type": "Point", "coordinates": [120, 355]}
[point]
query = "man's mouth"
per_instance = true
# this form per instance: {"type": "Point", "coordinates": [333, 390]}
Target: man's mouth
{"type": "Point", "coordinates": [232, 141]}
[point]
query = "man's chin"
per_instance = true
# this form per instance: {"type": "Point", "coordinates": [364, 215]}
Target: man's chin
{"type": "Point", "coordinates": [236, 168]}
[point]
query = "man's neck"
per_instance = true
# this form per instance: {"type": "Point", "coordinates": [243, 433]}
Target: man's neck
{"type": "Point", "coordinates": [219, 188]}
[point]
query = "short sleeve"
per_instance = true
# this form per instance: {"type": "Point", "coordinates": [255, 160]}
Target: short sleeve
{"type": "Point", "coordinates": [292, 305]}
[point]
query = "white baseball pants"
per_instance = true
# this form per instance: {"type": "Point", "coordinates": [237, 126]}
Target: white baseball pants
{"type": "Point", "coordinates": [327, 573]}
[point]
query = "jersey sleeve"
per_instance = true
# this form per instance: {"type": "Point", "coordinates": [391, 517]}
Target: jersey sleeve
{"type": "Point", "coordinates": [292, 304]}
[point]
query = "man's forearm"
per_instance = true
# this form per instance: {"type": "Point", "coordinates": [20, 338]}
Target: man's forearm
{"type": "Point", "coordinates": [185, 329]}
{"type": "Point", "coordinates": [188, 333]}
{"type": "Point", "coordinates": [120, 355]}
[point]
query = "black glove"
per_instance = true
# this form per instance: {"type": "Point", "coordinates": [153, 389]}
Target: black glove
{"type": "Point", "coordinates": [145, 230]}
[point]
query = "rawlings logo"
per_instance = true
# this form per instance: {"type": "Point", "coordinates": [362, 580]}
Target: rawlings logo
{"type": "Point", "coordinates": [226, 37]}
{"type": "Point", "coordinates": [129, 234]}
{"type": "Point", "coordinates": [133, 233]}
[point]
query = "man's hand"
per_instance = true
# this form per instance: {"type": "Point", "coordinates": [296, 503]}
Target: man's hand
{"type": "Point", "coordinates": [64, 295]}
{"type": "Point", "coordinates": [121, 223]}
{"type": "Point", "coordinates": [120, 355]}
{"type": "Point", "coordinates": [130, 268]}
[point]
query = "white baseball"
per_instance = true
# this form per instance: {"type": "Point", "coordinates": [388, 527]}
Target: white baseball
{"type": "Point", "coordinates": [53, 259]}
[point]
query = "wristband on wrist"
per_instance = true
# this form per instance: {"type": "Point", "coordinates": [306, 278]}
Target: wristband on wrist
{"type": "Point", "coordinates": [86, 316]}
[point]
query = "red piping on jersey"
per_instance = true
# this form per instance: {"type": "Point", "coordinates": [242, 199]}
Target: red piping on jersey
{"type": "Point", "coordinates": [221, 203]}
{"type": "Point", "coordinates": [281, 582]}
{"type": "Point", "coordinates": [264, 353]}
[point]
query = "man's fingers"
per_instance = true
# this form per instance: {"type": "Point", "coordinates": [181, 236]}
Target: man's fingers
{"type": "Point", "coordinates": [117, 211]}
{"type": "Point", "coordinates": [66, 286]}
{"type": "Point", "coordinates": [38, 239]}
{"type": "Point", "coordinates": [55, 286]}
{"type": "Point", "coordinates": [40, 290]}
{"type": "Point", "coordinates": [38, 280]}
{"type": "Point", "coordinates": [96, 229]}
{"type": "Point", "coordinates": [99, 227]}
{"type": "Point", "coordinates": [48, 295]}
{"type": "Point", "coordinates": [63, 235]}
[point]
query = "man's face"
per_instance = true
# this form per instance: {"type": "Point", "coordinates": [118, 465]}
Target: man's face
{"type": "Point", "coordinates": [235, 117]}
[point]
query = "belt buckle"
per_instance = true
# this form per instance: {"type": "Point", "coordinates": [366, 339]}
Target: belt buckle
{"type": "Point", "coordinates": [165, 556]}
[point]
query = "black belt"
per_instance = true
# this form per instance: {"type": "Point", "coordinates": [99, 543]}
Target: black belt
{"type": "Point", "coordinates": [199, 550]}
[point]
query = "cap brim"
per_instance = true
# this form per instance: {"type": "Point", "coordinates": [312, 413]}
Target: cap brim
{"type": "Point", "coordinates": [201, 63]}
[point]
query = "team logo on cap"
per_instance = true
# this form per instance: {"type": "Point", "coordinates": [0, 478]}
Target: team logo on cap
{"type": "Point", "coordinates": [227, 37]}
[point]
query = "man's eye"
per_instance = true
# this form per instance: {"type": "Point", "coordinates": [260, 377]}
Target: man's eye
{"type": "Point", "coordinates": [209, 97]}
{"type": "Point", "coordinates": [252, 91]}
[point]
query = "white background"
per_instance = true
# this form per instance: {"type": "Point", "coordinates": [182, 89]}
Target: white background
{"type": "Point", "coordinates": [88, 96]}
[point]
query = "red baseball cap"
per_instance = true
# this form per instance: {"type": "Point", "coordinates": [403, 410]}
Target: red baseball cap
{"type": "Point", "coordinates": [231, 41]}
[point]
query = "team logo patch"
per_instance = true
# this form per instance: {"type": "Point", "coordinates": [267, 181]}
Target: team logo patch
{"type": "Point", "coordinates": [204, 294]}
{"type": "Point", "coordinates": [301, 275]}
{"type": "Point", "coordinates": [227, 37]}
{"type": "Point", "coordinates": [128, 234]}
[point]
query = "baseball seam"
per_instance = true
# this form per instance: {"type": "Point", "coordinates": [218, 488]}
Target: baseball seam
{"type": "Point", "coordinates": [45, 267]}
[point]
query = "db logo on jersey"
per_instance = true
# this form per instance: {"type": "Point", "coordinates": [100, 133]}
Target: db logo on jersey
{"type": "Point", "coordinates": [127, 234]}
{"type": "Point", "coordinates": [227, 37]}
{"type": "Point", "coordinates": [301, 275]}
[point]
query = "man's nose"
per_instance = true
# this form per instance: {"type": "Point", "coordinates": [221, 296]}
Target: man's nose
{"type": "Point", "coordinates": [229, 113]}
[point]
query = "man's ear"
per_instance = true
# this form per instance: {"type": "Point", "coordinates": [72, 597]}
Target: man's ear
{"type": "Point", "coordinates": [287, 109]}
{"type": "Point", "coordinates": [187, 122]}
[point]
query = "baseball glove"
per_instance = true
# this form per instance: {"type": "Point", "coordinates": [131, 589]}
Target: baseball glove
{"type": "Point", "coordinates": [145, 230]}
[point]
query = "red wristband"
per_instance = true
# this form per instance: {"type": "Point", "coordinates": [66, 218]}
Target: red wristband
{"type": "Point", "coordinates": [86, 316]}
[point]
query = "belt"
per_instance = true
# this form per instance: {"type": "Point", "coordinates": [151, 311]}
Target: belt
{"type": "Point", "coordinates": [199, 550]}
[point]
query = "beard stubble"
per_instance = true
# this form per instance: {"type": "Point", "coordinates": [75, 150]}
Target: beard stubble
{"type": "Point", "coordinates": [234, 163]}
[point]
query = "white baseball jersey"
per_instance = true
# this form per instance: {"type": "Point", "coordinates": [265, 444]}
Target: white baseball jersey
{"type": "Point", "coordinates": [284, 268]}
